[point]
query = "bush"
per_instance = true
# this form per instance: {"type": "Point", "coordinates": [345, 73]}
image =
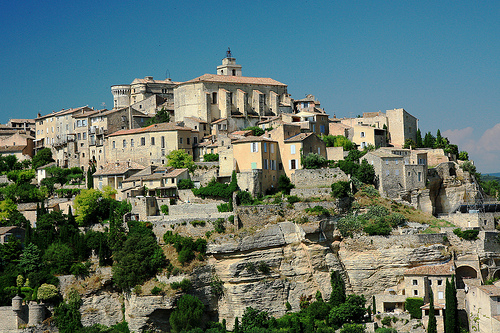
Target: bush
{"type": "Point", "coordinates": [284, 184]}
{"type": "Point", "coordinates": [348, 225]}
{"type": "Point", "coordinates": [379, 227]}
{"type": "Point", "coordinates": [224, 207]}
{"type": "Point", "coordinates": [231, 219]}
{"type": "Point", "coordinates": [244, 198]}
{"type": "Point", "coordinates": [467, 234]}
{"type": "Point", "coordinates": [196, 223]}
{"type": "Point", "coordinates": [318, 210]}
{"type": "Point", "coordinates": [188, 314]}
{"type": "Point", "coordinates": [156, 290]}
{"type": "Point", "coordinates": [219, 226]}
{"type": "Point", "coordinates": [314, 161]}
{"type": "Point", "coordinates": [80, 269]}
{"type": "Point", "coordinates": [164, 209]}
{"type": "Point", "coordinates": [47, 292]}
{"type": "Point", "coordinates": [185, 246]}
{"type": "Point", "coordinates": [184, 285]}
{"type": "Point", "coordinates": [292, 199]}
{"type": "Point", "coordinates": [256, 130]}
{"type": "Point", "coordinates": [185, 184]}
{"type": "Point", "coordinates": [412, 305]}
{"type": "Point", "coordinates": [341, 189]}
{"type": "Point", "coordinates": [250, 267]}
{"type": "Point", "coordinates": [263, 267]}
{"type": "Point", "coordinates": [386, 321]}
{"type": "Point", "coordinates": [215, 189]}
{"type": "Point", "coordinates": [210, 157]}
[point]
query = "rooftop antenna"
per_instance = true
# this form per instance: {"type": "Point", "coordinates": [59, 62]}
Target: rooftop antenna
{"type": "Point", "coordinates": [167, 74]}
{"type": "Point", "coordinates": [228, 53]}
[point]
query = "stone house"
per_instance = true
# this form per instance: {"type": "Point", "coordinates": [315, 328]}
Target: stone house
{"type": "Point", "coordinates": [313, 122]}
{"type": "Point", "coordinates": [258, 158]}
{"type": "Point", "coordinates": [364, 135]}
{"type": "Point", "coordinates": [483, 308]}
{"type": "Point", "coordinates": [113, 174]}
{"type": "Point", "coordinates": [19, 144]}
{"type": "Point", "coordinates": [398, 170]}
{"type": "Point", "coordinates": [151, 144]}
{"type": "Point", "coordinates": [229, 95]}
{"type": "Point", "coordinates": [160, 181]}
{"type": "Point", "coordinates": [24, 125]}
{"type": "Point", "coordinates": [41, 172]}
{"type": "Point", "coordinates": [7, 233]}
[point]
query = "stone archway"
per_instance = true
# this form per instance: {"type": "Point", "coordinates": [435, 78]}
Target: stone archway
{"type": "Point", "coordinates": [464, 273]}
{"type": "Point", "coordinates": [496, 275]}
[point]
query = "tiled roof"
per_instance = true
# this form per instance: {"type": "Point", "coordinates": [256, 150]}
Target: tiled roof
{"type": "Point", "coordinates": [118, 168]}
{"type": "Point", "coordinates": [437, 306]}
{"type": "Point", "coordinates": [4, 230]}
{"type": "Point", "coordinates": [62, 112]}
{"type": "Point", "coordinates": [30, 121]}
{"type": "Point", "coordinates": [490, 290]}
{"type": "Point", "coordinates": [236, 80]}
{"type": "Point", "coordinates": [4, 149]}
{"type": "Point", "coordinates": [299, 137]}
{"type": "Point", "coordinates": [196, 119]}
{"type": "Point", "coordinates": [152, 128]}
{"type": "Point", "coordinates": [430, 270]}
{"type": "Point", "coordinates": [253, 139]}
{"type": "Point", "coordinates": [154, 81]}
{"type": "Point", "coordinates": [244, 133]}
{"type": "Point", "coordinates": [218, 120]}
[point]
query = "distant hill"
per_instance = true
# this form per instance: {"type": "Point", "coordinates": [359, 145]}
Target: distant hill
{"type": "Point", "coordinates": [491, 176]}
{"type": "Point", "coordinates": [497, 175]}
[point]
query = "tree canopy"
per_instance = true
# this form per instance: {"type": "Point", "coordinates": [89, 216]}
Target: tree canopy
{"type": "Point", "coordinates": [179, 159]}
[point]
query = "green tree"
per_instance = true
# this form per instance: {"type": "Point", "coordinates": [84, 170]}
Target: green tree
{"type": "Point", "coordinates": [30, 259]}
{"type": "Point", "coordinates": [188, 314]}
{"type": "Point", "coordinates": [162, 116]}
{"type": "Point", "coordinates": [353, 328]}
{"type": "Point", "coordinates": [67, 315]}
{"type": "Point", "coordinates": [463, 156]}
{"type": "Point", "coordinates": [42, 157]}
{"type": "Point", "coordinates": [47, 292]}
{"type": "Point", "coordinates": [90, 179]}
{"type": "Point", "coordinates": [365, 173]}
{"type": "Point", "coordinates": [432, 324]}
{"type": "Point", "coordinates": [419, 143]}
{"type": "Point", "coordinates": [451, 310]}
{"type": "Point", "coordinates": [338, 141]}
{"type": "Point", "coordinates": [139, 258]}
{"type": "Point", "coordinates": [341, 189]}
{"type": "Point", "coordinates": [284, 184]}
{"type": "Point", "coordinates": [337, 295]}
{"type": "Point", "coordinates": [7, 208]}
{"type": "Point", "coordinates": [256, 130]}
{"type": "Point", "coordinates": [180, 159]}
{"type": "Point", "coordinates": [314, 161]}
{"type": "Point", "coordinates": [86, 204]}
{"type": "Point", "coordinates": [429, 140]}
{"type": "Point", "coordinates": [59, 257]}
{"type": "Point", "coordinates": [254, 319]}
{"type": "Point", "coordinates": [409, 144]}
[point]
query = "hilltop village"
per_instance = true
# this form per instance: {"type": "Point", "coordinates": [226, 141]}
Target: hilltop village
{"type": "Point", "coordinates": [223, 204]}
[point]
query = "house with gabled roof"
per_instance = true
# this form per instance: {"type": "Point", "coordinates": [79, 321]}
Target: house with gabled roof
{"type": "Point", "coordinates": [113, 174]}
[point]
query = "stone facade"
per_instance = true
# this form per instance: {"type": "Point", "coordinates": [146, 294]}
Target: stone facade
{"type": "Point", "coordinates": [313, 178]}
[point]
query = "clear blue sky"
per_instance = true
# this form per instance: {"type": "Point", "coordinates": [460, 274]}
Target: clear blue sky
{"type": "Point", "coordinates": [437, 59]}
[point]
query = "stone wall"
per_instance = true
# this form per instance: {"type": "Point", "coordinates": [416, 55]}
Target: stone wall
{"type": "Point", "coordinates": [188, 196]}
{"type": "Point", "coordinates": [250, 181]}
{"type": "Point", "coordinates": [183, 226]}
{"type": "Point", "coordinates": [485, 221]}
{"type": "Point", "coordinates": [257, 216]}
{"type": "Point", "coordinates": [311, 192]}
{"type": "Point", "coordinates": [335, 153]}
{"type": "Point", "coordinates": [205, 172]}
{"type": "Point", "coordinates": [311, 178]}
{"type": "Point", "coordinates": [193, 209]}
{"type": "Point", "coordinates": [8, 319]}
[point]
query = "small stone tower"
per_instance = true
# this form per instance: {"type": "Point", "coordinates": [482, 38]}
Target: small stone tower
{"type": "Point", "coordinates": [229, 66]}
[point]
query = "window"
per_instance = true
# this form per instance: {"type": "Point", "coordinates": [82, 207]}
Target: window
{"type": "Point", "coordinates": [78, 123]}
{"type": "Point", "coordinates": [163, 142]}
{"type": "Point", "coordinates": [440, 295]}
{"type": "Point", "coordinates": [362, 134]}
{"type": "Point", "coordinates": [79, 136]}
{"type": "Point", "coordinates": [409, 173]}
{"type": "Point", "coordinates": [187, 141]}
{"type": "Point", "coordinates": [272, 148]}
{"type": "Point", "coordinates": [292, 150]}
{"type": "Point", "coordinates": [397, 172]}
{"type": "Point", "coordinates": [314, 128]}
{"type": "Point", "coordinates": [124, 143]}
{"type": "Point", "coordinates": [415, 282]}
{"type": "Point", "coordinates": [415, 292]}
{"type": "Point", "coordinates": [273, 165]}
{"type": "Point", "coordinates": [152, 141]}
{"type": "Point", "coordinates": [195, 140]}
{"type": "Point", "coordinates": [265, 147]}
{"type": "Point", "coordinates": [419, 176]}
{"type": "Point", "coordinates": [143, 141]}
{"type": "Point", "coordinates": [84, 136]}
{"type": "Point", "coordinates": [254, 148]}
{"type": "Point", "coordinates": [440, 282]}
{"type": "Point", "coordinates": [114, 144]}
{"type": "Point", "coordinates": [214, 98]}
{"type": "Point", "coordinates": [254, 165]}
{"type": "Point", "coordinates": [265, 164]}
{"type": "Point", "coordinates": [386, 162]}
{"type": "Point", "coordinates": [180, 141]}
{"type": "Point", "coordinates": [319, 150]}
{"type": "Point", "coordinates": [322, 128]}
{"type": "Point", "coordinates": [131, 142]}
{"type": "Point", "coordinates": [397, 162]}
{"type": "Point", "coordinates": [293, 164]}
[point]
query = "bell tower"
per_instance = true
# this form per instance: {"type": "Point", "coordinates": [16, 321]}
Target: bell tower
{"type": "Point", "coordinates": [229, 66]}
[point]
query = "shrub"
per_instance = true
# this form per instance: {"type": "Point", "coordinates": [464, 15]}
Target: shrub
{"type": "Point", "coordinates": [137, 290]}
{"type": "Point", "coordinates": [224, 207]}
{"type": "Point", "coordinates": [156, 290]}
{"type": "Point", "coordinates": [216, 286]}
{"type": "Point", "coordinates": [250, 267]}
{"type": "Point", "coordinates": [378, 227]}
{"type": "Point", "coordinates": [80, 269]}
{"type": "Point", "coordinates": [314, 161]}
{"type": "Point", "coordinates": [196, 223]}
{"type": "Point", "coordinates": [47, 292]}
{"type": "Point", "coordinates": [210, 157]}
{"type": "Point", "coordinates": [318, 210]}
{"type": "Point", "coordinates": [467, 234]}
{"type": "Point", "coordinates": [256, 130]}
{"type": "Point", "coordinates": [219, 226]}
{"type": "Point", "coordinates": [263, 267]}
{"type": "Point", "coordinates": [184, 285]}
{"type": "Point", "coordinates": [288, 306]}
{"type": "Point", "coordinates": [215, 189]}
{"type": "Point", "coordinates": [187, 315]}
{"type": "Point", "coordinates": [244, 198]}
{"type": "Point", "coordinates": [184, 184]}
{"type": "Point", "coordinates": [412, 305]}
{"type": "Point", "coordinates": [231, 219]}
{"type": "Point", "coordinates": [396, 219]}
{"type": "Point", "coordinates": [386, 321]}
{"type": "Point", "coordinates": [348, 225]}
{"type": "Point", "coordinates": [284, 184]}
{"type": "Point", "coordinates": [292, 199]}
{"type": "Point", "coordinates": [185, 246]}
{"type": "Point", "coordinates": [341, 189]}
{"type": "Point", "coordinates": [164, 209]}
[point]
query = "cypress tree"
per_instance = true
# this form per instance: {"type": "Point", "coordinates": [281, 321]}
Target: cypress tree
{"type": "Point", "coordinates": [449, 315]}
{"type": "Point", "coordinates": [236, 325]}
{"type": "Point", "coordinates": [90, 182]}
{"type": "Point", "coordinates": [27, 235]}
{"type": "Point", "coordinates": [374, 306]}
{"type": "Point", "coordinates": [337, 296]}
{"type": "Point", "coordinates": [454, 304]}
{"type": "Point", "coordinates": [419, 141]}
{"type": "Point", "coordinates": [432, 324]}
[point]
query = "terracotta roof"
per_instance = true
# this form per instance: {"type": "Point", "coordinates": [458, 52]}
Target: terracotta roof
{"type": "Point", "coordinates": [157, 175]}
{"type": "Point", "coordinates": [490, 290]}
{"type": "Point", "coordinates": [152, 128]}
{"type": "Point", "coordinates": [298, 137]}
{"type": "Point", "coordinates": [30, 121]}
{"type": "Point", "coordinates": [63, 112]}
{"type": "Point", "coordinates": [244, 133]}
{"type": "Point", "coordinates": [153, 81]}
{"type": "Point", "coordinates": [5, 149]}
{"type": "Point", "coordinates": [437, 306]}
{"type": "Point", "coordinates": [218, 120]}
{"type": "Point", "coordinates": [196, 119]}
{"type": "Point", "coordinates": [118, 168]}
{"type": "Point", "coordinates": [253, 139]}
{"type": "Point", "coordinates": [447, 269]}
{"type": "Point", "coordinates": [236, 80]}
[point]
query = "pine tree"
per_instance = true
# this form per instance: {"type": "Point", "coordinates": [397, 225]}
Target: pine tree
{"type": "Point", "coordinates": [90, 180]}
{"type": "Point", "coordinates": [432, 324]}
{"type": "Point", "coordinates": [419, 141]}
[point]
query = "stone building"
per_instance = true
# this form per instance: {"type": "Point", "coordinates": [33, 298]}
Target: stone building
{"type": "Point", "coordinates": [398, 170]}
{"type": "Point", "coordinates": [7, 233]}
{"type": "Point", "coordinates": [364, 136]}
{"type": "Point", "coordinates": [151, 144]}
{"type": "Point", "coordinates": [313, 122]}
{"type": "Point", "coordinates": [229, 95]}
{"type": "Point", "coordinates": [160, 181]}
{"type": "Point", "coordinates": [483, 308]}
{"type": "Point", "coordinates": [25, 125]}
{"type": "Point", "coordinates": [113, 174]}
{"type": "Point", "coordinates": [18, 144]}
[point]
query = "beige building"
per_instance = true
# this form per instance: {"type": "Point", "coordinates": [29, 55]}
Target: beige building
{"type": "Point", "coordinates": [113, 174]}
{"type": "Point", "coordinates": [26, 125]}
{"type": "Point", "coordinates": [160, 181]}
{"type": "Point", "coordinates": [398, 170]}
{"type": "Point", "coordinates": [18, 144]}
{"type": "Point", "coordinates": [313, 122]}
{"type": "Point", "coordinates": [483, 307]}
{"type": "Point", "coordinates": [364, 136]}
{"type": "Point", "coordinates": [257, 154]}
{"type": "Point", "coordinates": [229, 95]}
{"type": "Point", "coordinates": [150, 145]}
